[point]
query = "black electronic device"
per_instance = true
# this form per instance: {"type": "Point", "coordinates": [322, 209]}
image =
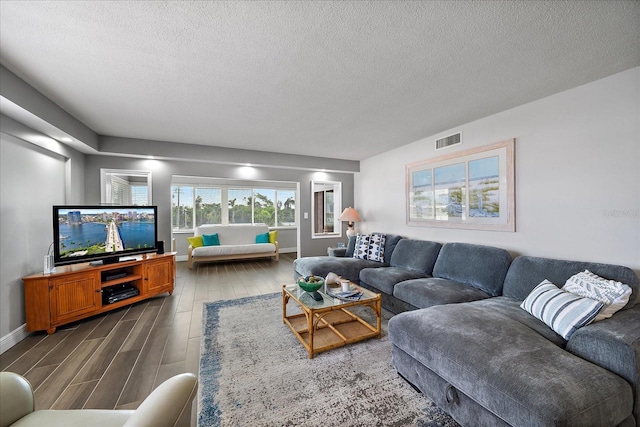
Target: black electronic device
{"type": "Point", "coordinates": [116, 293]}
{"type": "Point", "coordinates": [113, 275]}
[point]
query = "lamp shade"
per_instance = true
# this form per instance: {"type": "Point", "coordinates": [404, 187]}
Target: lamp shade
{"type": "Point", "coordinates": [350, 214]}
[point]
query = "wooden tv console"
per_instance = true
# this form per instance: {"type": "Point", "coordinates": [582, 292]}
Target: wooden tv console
{"type": "Point", "coordinates": [75, 291]}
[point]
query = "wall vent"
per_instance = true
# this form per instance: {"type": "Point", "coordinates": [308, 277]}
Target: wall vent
{"type": "Point", "coordinates": [448, 141]}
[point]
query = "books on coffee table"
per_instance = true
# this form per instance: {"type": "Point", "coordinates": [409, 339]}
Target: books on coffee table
{"type": "Point", "coordinates": [346, 296]}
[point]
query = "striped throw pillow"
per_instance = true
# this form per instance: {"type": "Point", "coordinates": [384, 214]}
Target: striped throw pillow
{"type": "Point", "coordinates": [562, 311]}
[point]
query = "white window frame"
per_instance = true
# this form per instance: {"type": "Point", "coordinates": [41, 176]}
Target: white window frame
{"type": "Point", "coordinates": [107, 175]}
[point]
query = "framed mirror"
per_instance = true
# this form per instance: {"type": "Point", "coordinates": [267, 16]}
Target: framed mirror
{"type": "Point", "coordinates": [125, 187]}
{"type": "Point", "coordinates": [326, 205]}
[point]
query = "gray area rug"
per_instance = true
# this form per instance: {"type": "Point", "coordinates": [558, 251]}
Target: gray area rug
{"type": "Point", "coordinates": [254, 372]}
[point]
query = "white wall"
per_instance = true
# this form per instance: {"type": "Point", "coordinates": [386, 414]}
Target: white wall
{"type": "Point", "coordinates": [32, 179]}
{"type": "Point", "coordinates": [577, 176]}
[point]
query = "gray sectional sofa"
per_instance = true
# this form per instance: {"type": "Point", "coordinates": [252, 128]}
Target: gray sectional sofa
{"type": "Point", "coordinates": [462, 338]}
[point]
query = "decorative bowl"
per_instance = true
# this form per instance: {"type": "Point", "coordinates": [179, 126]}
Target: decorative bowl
{"type": "Point", "coordinates": [310, 285]}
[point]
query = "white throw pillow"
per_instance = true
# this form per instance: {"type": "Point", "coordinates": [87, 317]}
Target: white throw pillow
{"type": "Point", "coordinates": [614, 295]}
{"type": "Point", "coordinates": [562, 311]}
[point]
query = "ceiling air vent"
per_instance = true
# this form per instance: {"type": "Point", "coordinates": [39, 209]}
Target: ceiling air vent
{"type": "Point", "coordinates": [448, 141]}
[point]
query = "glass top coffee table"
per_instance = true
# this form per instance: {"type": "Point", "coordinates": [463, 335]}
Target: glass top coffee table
{"type": "Point", "coordinates": [330, 323]}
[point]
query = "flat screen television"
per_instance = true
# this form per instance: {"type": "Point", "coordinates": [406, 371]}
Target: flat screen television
{"type": "Point", "coordinates": [103, 233]}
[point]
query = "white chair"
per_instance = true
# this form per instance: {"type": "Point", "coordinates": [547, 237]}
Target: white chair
{"type": "Point", "coordinates": [162, 408]}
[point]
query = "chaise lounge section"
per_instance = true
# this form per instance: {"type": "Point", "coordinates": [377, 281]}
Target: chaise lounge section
{"type": "Point", "coordinates": [490, 362]}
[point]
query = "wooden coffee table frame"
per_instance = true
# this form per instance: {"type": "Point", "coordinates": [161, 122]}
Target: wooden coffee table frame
{"type": "Point", "coordinates": [332, 325]}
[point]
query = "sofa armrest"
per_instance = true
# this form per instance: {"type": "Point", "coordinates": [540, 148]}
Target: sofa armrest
{"type": "Point", "coordinates": [166, 404]}
{"type": "Point", "coordinates": [613, 344]}
{"type": "Point", "coordinates": [337, 252]}
{"type": "Point", "coordinates": [16, 396]}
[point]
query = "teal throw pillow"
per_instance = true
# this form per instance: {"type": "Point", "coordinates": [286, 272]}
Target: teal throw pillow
{"type": "Point", "coordinates": [262, 238]}
{"type": "Point", "coordinates": [211, 239]}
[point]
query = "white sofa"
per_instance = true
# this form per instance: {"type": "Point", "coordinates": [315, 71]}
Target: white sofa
{"type": "Point", "coordinates": [236, 242]}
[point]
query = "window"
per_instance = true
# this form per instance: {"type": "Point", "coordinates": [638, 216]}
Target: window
{"type": "Point", "coordinates": [119, 191]}
{"type": "Point", "coordinates": [264, 206]}
{"type": "Point", "coordinates": [194, 205]}
{"type": "Point", "coordinates": [125, 187]}
{"type": "Point", "coordinates": [182, 207]}
{"type": "Point", "coordinates": [208, 205]}
{"type": "Point", "coordinates": [139, 194]}
{"type": "Point", "coordinates": [286, 203]}
{"type": "Point", "coordinates": [239, 206]}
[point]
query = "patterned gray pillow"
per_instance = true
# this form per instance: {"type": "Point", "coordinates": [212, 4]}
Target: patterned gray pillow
{"type": "Point", "coordinates": [376, 247]}
{"type": "Point", "coordinates": [361, 249]}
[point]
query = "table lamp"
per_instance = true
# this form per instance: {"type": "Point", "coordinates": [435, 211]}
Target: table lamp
{"type": "Point", "coordinates": [351, 215]}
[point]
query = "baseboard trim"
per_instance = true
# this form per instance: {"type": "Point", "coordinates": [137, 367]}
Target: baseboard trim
{"type": "Point", "coordinates": [13, 338]}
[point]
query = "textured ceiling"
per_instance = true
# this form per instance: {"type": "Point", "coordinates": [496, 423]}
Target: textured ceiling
{"type": "Point", "coordinates": [334, 79]}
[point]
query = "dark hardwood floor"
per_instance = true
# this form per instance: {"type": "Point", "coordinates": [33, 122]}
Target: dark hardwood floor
{"type": "Point", "coordinates": [116, 359]}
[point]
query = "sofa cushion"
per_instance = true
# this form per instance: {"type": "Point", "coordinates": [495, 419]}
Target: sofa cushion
{"type": "Point", "coordinates": [510, 369]}
{"type": "Point", "coordinates": [351, 247]}
{"type": "Point", "coordinates": [384, 279]}
{"type": "Point", "coordinates": [483, 267]}
{"type": "Point", "coordinates": [390, 243]}
{"type": "Point", "coordinates": [527, 272]}
{"type": "Point", "coordinates": [563, 311]}
{"type": "Point", "coordinates": [432, 291]}
{"type": "Point", "coordinates": [614, 295]}
{"type": "Point", "coordinates": [416, 255]}
{"type": "Point", "coordinates": [510, 308]}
